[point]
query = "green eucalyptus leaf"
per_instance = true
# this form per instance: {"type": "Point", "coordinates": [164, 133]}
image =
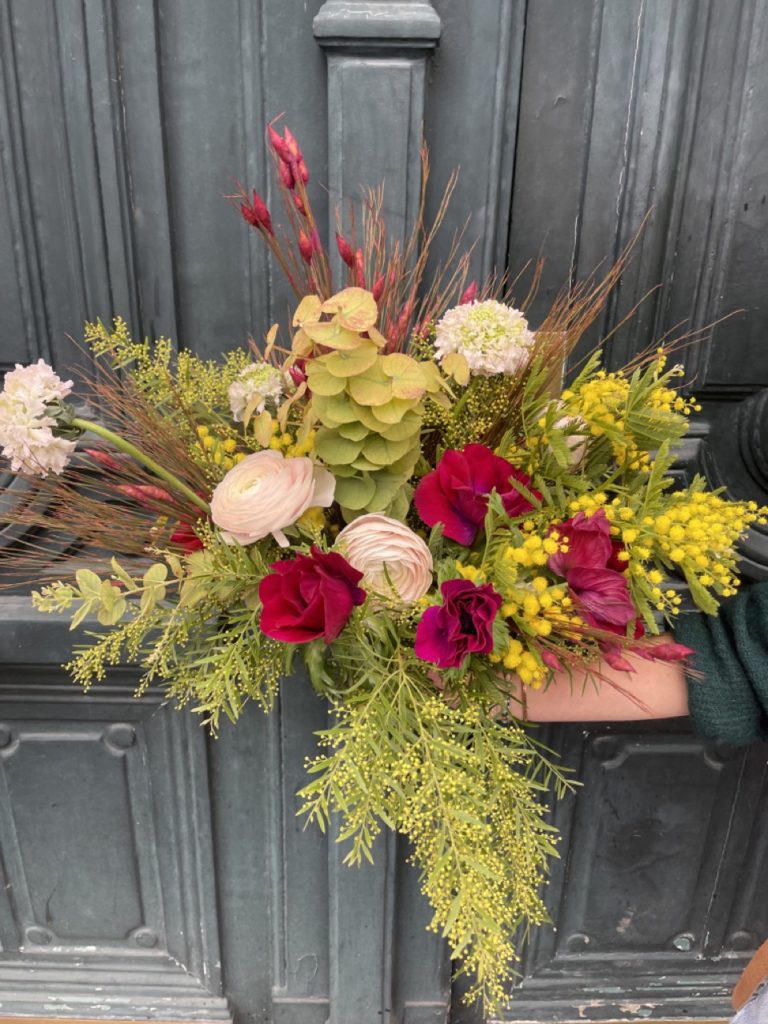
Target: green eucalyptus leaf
{"type": "Point", "coordinates": [353, 308]}
{"type": "Point", "coordinates": [383, 452]}
{"type": "Point", "coordinates": [407, 428]}
{"type": "Point", "coordinates": [408, 381]}
{"type": "Point", "coordinates": [355, 492]}
{"type": "Point", "coordinates": [320, 381]}
{"type": "Point", "coordinates": [89, 584]}
{"type": "Point", "coordinates": [353, 431]}
{"type": "Point", "coordinates": [334, 449]}
{"type": "Point", "coordinates": [393, 411]}
{"type": "Point", "coordinates": [332, 335]}
{"type": "Point", "coordinates": [371, 388]}
{"type": "Point", "coordinates": [351, 362]}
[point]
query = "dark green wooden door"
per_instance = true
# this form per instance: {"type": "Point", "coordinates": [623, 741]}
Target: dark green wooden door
{"type": "Point", "coordinates": [151, 872]}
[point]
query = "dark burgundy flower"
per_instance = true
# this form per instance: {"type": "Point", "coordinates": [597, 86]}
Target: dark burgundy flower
{"type": "Point", "coordinates": [589, 543]}
{"type": "Point", "coordinates": [603, 595]}
{"type": "Point", "coordinates": [456, 492]}
{"type": "Point", "coordinates": [461, 625]}
{"type": "Point", "coordinates": [308, 597]}
{"type": "Point", "coordinates": [184, 535]}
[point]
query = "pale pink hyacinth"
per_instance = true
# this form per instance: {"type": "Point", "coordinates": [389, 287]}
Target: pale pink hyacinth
{"type": "Point", "coordinates": [395, 561]}
{"type": "Point", "coordinates": [26, 426]}
{"type": "Point", "coordinates": [265, 493]}
{"type": "Point", "coordinates": [492, 337]}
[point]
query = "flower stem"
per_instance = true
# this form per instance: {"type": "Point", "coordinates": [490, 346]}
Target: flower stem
{"type": "Point", "coordinates": [136, 453]}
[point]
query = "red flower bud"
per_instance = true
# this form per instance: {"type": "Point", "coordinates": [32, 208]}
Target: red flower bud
{"type": "Point", "coordinates": [469, 295]}
{"type": "Point", "coordinates": [360, 268]}
{"type": "Point", "coordinates": [298, 202]}
{"type": "Point", "coordinates": [405, 315]}
{"type": "Point", "coordinates": [301, 171]}
{"type": "Point", "coordinates": [257, 214]}
{"type": "Point", "coordinates": [378, 288]}
{"type": "Point", "coordinates": [279, 144]}
{"type": "Point", "coordinates": [345, 250]}
{"type": "Point", "coordinates": [291, 144]}
{"type": "Point", "coordinates": [145, 494]}
{"type": "Point", "coordinates": [286, 174]}
{"type": "Point", "coordinates": [297, 374]}
{"type": "Point", "coordinates": [104, 458]}
{"type": "Point", "coordinates": [305, 247]}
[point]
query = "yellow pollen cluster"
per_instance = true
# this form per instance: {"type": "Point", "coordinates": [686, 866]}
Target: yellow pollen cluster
{"type": "Point", "coordinates": [287, 444]}
{"type": "Point", "coordinates": [535, 550]}
{"type": "Point", "coordinates": [220, 451]}
{"type": "Point", "coordinates": [696, 534]}
{"type": "Point", "coordinates": [536, 610]}
{"type": "Point", "coordinates": [469, 572]}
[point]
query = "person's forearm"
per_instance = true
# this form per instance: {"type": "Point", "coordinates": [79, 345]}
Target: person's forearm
{"type": "Point", "coordinates": [657, 689]}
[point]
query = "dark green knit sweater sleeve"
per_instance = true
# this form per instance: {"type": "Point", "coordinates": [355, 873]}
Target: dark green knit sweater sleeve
{"type": "Point", "coordinates": [730, 702]}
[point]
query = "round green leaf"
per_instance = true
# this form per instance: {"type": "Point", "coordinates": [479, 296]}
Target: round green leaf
{"type": "Point", "coordinates": [363, 464]}
{"type": "Point", "coordinates": [351, 362]}
{"type": "Point", "coordinates": [334, 449]}
{"type": "Point", "coordinates": [373, 387]}
{"type": "Point", "coordinates": [456, 366]}
{"type": "Point", "coordinates": [393, 411]}
{"type": "Point", "coordinates": [387, 486]}
{"type": "Point", "coordinates": [408, 426]}
{"type": "Point", "coordinates": [321, 382]}
{"type": "Point", "coordinates": [353, 431]}
{"type": "Point", "coordinates": [383, 452]}
{"type": "Point", "coordinates": [332, 335]}
{"type": "Point", "coordinates": [355, 492]}
{"type": "Point", "coordinates": [354, 308]}
{"type": "Point", "coordinates": [407, 379]}
{"type": "Point", "coordinates": [333, 410]}
{"type": "Point", "coordinates": [308, 310]}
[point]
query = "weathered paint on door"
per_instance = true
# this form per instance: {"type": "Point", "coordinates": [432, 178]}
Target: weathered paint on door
{"type": "Point", "coordinates": [151, 872]}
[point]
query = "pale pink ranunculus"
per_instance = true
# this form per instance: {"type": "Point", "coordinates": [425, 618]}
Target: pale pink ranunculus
{"type": "Point", "coordinates": [265, 493]}
{"type": "Point", "coordinates": [395, 561]}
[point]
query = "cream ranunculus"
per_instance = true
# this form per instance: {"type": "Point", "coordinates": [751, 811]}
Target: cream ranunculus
{"type": "Point", "coordinates": [390, 556]}
{"type": "Point", "coordinates": [265, 493]}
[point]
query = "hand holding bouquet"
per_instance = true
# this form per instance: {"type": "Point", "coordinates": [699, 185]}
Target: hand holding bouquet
{"type": "Point", "coordinates": [403, 496]}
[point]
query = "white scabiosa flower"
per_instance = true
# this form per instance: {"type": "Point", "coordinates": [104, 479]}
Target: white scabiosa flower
{"type": "Point", "coordinates": [26, 426]}
{"type": "Point", "coordinates": [492, 337]}
{"type": "Point", "coordinates": [253, 386]}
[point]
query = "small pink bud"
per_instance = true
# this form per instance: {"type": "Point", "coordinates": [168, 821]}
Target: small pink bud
{"type": "Point", "coordinates": [297, 374]}
{"type": "Point", "coordinates": [291, 144]}
{"type": "Point", "coordinates": [469, 295]}
{"type": "Point", "coordinates": [145, 494]}
{"type": "Point", "coordinates": [104, 458]}
{"type": "Point", "coordinates": [405, 316]}
{"type": "Point", "coordinates": [360, 268]}
{"type": "Point", "coordinates": [612, 654]}
{"type": "Point", "coordinates": [378, 287]}
{"type": "Point", "coordinates": [664, 652]}
{"type": "Point", "coordinates": [298, 202]}
{"type": "Point", "coordinates": [286, 174]}
{"type": "Point", "coordinates": [257, 214]}
{"type": "Point", "coordinates": [301, 170]}
{"type": "Point", "coordinates": [279, 144]}
{"type": "Point", "coordinates": [551, 660]}
{"type": "Point", "coordinates": [345, 251]}
{"type": "Point", "coordinates": [305, 247]}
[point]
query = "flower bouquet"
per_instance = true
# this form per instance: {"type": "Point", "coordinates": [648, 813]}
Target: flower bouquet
{"type": "Point", "coordinates": [399, 491]}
